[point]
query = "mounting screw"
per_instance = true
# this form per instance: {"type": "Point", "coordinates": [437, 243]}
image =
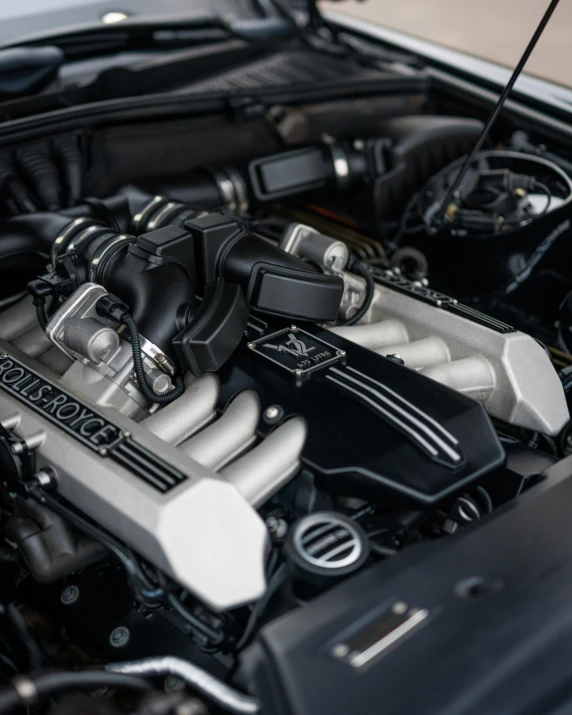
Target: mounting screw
{"type": "Point", "coordinates": [298, 373]}
{"type": "Point", "coordinates": [69, 595]}
{"type": "Point", "coordinates": [341, 353]}
{"type": "Point", "coordinates": [17, 448]}
{"type": "Point", "coordinates": [399, 607]}
{"type": "Point", "coordinates": [102, 451]}
{"type": "Point", "coordinates": [4, 355]}
{"type": "Point", "coordinates": [273, 413]}
{"type": "Point", "coordinates": [119, 637]}
{"type": "Point", "coordinates": [438, 303]}
{"type": "Point", "coordinates": [293, 327]}
{"type": "Point", "coordinates": [341, 650]}
{"type": "Point", "coordinates": [252, 346]}
{"type": "Point", "coordinates": [126, 433]}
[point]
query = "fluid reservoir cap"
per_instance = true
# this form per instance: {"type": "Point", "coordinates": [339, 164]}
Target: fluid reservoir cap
{"type": "Point", "coordinates": [326, 545]}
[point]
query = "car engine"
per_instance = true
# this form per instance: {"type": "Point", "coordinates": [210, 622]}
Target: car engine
{"type": "Point", "coordinates": [228, 388]}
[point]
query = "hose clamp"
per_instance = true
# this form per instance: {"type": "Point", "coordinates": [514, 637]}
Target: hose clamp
{"type": "Point", "coordinates": [104, 252]}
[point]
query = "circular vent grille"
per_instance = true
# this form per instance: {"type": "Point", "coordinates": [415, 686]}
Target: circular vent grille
{"type": "Point", "coordinates": [328, 541]}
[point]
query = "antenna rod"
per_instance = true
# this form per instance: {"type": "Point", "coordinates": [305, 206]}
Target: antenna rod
{"type": "Point", "coordinates": [439, 215]}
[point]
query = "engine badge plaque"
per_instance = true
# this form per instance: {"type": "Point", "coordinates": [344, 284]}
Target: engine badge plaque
{"type": "Point", "coordinates": [86, 425]}
{"type": "Point", "coordinates": [296, 350]}
{"type": "Point", "coordinates": [56, 405]}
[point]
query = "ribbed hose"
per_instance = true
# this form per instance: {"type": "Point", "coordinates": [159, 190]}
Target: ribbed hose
{"type": "Point", "coordinates": [44, 177]}
{"type": "Point", "coordinates": [15, 189]}
{"type": "Point", "coordinates": [140, 371]}
{"type": "Point", "coordinates": [26, 690]}
{"type": "Point", "coordinates": [362, 270]}
{"type": "Point", "coordinates": [486, 500]}
{"type": "Point", "coordinates": [70, 158]}
{"type": "Point", "coordinates": [40, 304]}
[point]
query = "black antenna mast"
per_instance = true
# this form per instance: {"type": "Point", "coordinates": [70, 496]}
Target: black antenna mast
{"type": "Point", "coordinates": [440, 214]}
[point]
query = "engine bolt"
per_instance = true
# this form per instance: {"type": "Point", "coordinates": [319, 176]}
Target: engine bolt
{"type": "Point", "coordinates": [119, 637]}
{"type": "Point", "coordinates": [340, 650]}
{"type": "Point", "coordinates": [273, 413]}
{"type": "Point", "coordinates": [69, 595]}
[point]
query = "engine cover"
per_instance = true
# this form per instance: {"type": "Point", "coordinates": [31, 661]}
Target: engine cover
{"type": "Point", "coordinates": [139, 487]}
{"type": "Point", "coordinates": [376, 429]}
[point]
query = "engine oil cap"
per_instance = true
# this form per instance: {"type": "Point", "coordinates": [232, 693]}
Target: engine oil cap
{"type": "Point", "coordinates": [325, 545]}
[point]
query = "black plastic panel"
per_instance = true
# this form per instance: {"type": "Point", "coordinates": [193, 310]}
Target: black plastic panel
{"type": "Point", "coordinates": [300, 69]}
{"type": "Point", "coordinates": [375, 429]}
{"type": "Point", "coordinates": [491, 626]}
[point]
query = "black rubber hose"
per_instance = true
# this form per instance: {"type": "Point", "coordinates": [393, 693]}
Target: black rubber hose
{"type": "Point", "coordinates": [43, 175]}
{"type": "Point", "coordinates": [486, 500]}
{"type": "Point", "coordinates": [43, 685]}
{"type": "Point", "coordinates": [30, 234]}
{"type": "Point", "coordinates": [35, 658]}
{"type": "Point", "coordinates": [70, 159]}
{"type": "Point", "coordinates": [103, 212]}
{"type": "Point", "coordinates": [40, 304]}
{"type": "Point", "coordinates": [15, 189]}
{"type": "Point", "coordinates": [140, 371]}
{"type": "Point", "coordinates": [362, 270]}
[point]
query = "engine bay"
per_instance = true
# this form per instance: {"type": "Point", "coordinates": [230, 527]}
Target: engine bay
{"type": "Point", "coordinates": [244, 359]}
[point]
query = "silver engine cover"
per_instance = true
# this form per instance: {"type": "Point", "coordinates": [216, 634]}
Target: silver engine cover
{"type": "Point", "coordinates": [504, 369]}
{"type": "Point", "coordinates": [199, 529]}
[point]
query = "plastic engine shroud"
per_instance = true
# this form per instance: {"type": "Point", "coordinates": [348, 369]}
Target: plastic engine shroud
{"type": "Point", "coordinates": [376, 429]}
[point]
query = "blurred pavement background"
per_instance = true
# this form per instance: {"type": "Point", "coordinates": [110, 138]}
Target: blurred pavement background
{"type": "Point", "coordinates": [494, 29]}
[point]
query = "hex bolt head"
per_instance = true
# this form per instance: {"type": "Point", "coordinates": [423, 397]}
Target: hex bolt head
{"type": "Point", "coordinates": [273, 413]}
{"type": "Point", "coordinates": [340, 650]}
{"type": "Point", "coordinates": [119, 637]}
{"type": "Point", "coordinates": [69, 595]}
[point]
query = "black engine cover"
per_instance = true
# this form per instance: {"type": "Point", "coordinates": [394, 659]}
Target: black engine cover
{"type": "Point", "coordinates": [376, 429]}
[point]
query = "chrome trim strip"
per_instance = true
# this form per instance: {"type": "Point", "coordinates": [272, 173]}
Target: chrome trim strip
{"type": "Point", "coordinates": [428, 434]}
{"type": "Point", "coordinates": [409, 405]}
